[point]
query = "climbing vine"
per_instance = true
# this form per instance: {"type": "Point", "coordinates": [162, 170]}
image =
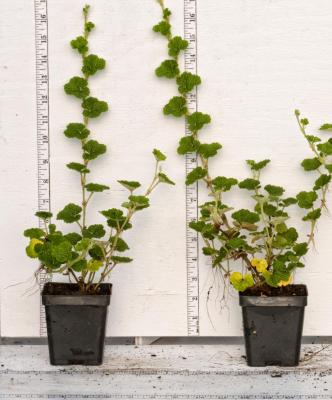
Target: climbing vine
{"type": "Point", "coordinates": [262, 237]}
{"type": "Point", "coordinates": [90, 253]}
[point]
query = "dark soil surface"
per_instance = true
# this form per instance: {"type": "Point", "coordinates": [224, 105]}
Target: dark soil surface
{"type": "Point", "coordinates": [265, 290]}
{"type": "Point", "coordinates": [71, 289]}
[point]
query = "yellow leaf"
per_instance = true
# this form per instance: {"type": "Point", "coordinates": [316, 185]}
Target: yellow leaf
{"type": "Point", "coordinates": [30, 250]}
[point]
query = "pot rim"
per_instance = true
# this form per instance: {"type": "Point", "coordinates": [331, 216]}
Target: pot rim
{"type": "Point", "coordinates": [75, 298]}
{"type": "Point", "coordinates": [273, 301]}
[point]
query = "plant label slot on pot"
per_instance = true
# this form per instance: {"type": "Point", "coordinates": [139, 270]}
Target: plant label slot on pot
{"type": "Point", "coordinates": [87, 254]}
{"type": "Point", "coordinates": [261, 239]}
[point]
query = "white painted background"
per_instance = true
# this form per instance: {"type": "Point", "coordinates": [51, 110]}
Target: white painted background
{"type": "Point", "coordinates": [259, 60]}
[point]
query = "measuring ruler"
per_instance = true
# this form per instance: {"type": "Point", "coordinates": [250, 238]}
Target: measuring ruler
{"type": "Point", "coordinates": [192, 250]}
{"type": "Point", "coordinates": [43, 152]}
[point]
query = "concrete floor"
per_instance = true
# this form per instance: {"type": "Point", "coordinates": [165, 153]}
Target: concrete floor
{"type": "Point", "coordinates": [164, 372]}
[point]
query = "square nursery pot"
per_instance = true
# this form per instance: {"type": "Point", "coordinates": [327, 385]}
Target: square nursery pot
{"type": "Point", "coordinates": [75, 323]}
{"type": "Point", "coordinates": [273, 327]}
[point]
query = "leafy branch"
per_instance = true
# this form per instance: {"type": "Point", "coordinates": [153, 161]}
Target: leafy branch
{"type": "Point", "coordinates": [87, 256]}
{"type": "Point", "coordinates": [260, 237]}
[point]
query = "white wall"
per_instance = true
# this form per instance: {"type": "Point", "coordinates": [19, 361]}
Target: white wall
{"type": "Point", "coordinates": [259, 60]}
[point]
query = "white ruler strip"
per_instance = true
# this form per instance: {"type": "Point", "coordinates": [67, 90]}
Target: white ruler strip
{"type": "Point", "coordinates": [190, 34]}
{"type": "Point", "coordinates": [42, 97]}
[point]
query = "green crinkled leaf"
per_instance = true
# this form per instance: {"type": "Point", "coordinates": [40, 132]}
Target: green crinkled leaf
{"type": "Point", "coordinates": [130, 185]}
{"type": "Point", "coordinates": [34, 233]}
{"type": "Point", "coordinates": [79, 266]}
{"type": "Point", "coordinates": [159, 156]}
{"type": "Point", "coordinates": [276, 191]}
{"type": "Point", "coordinates": [94, 231]}
{"type": "Point", "coordinates": [236, 243]}
{"type": "Point", "coordinates": [96, 253]}
{"type": "Point", "coordinates": [92, 64]}
{"type": "Point", "coordinates": [300, 249]}
{"type": "Point", "coordinates": [311, 164]}
{"type": "Point", "coordinates": [164, 28]}
{"type": "Point", "coordinates": [257, 166]}
{"type": "Point", "coordinates": [208, 150]}
{"type": "Point", "coordinates": [210, 232]}
{"type": "Point", "coordinates": [89, 26]}
{"type": "Point", "coordinates": [83, 244]}
{"type": "Point", "coordinates": [281, 228]}
{"type": "Point", "coordinates": [165, 179]}
{"type": "Point", "coordinates": [73, 238]}
{"type": "Point", "coordinates": [197, 225]}
{"type": "Point", "coordinates": [168, 69]}
{"type": "Point", "coordinates": [93, 149]}
{"type": "Point", "coordinates": [52, 228]}
{"type": "Point", "coordinates": [80, 44]}
{"type": "Point", "coordinates": [313, 215]}
{"type": "Point", "coordinates": [223, 184]}
{"type": "Point", "coordinates": [92, 107]}
{"type": "Point", "coordinates": [322, 181]}
{"type": "Point", "coordinates": [62, 251]}
{"type": "Point", "coordinates": [306, 199]}
{"type": "Point", "coordinates": [166, 12]}
{"type": "Point", "coordinates": [70, 213]}
{"type": "Point", "coordinates": [187, 81]}
{"type": "Point", "coordinates": [139, 202]}
{"type": "Point", "coordinates": [81, 168]}
{"type": "Point", "coordinates": [188, 144]}
{"type": "Point", "coordinates": [94, 265]}
{"type": "Point", "coordinates": [289, 201]}
{"type": "Point", "coordinates": [280, 273]}
{"type": "Point", "coordinates": [121, 260]}
{"type": "Point", "coordinates": [220, 257]}
{"type": "Point", "coordinates": [176, 45]}
{"type": "Point", "coordinates": [196, 174]}
{"type": "Point", "coordinates": [113, 213]}
{"type": "Point", "coordinates": [291, 235]}
{"type": "Point", "coordinates": [245, 216]}
{"type": "Point", "coordinates": [44, 214]}
{"type": "Point", "coordinates": [269, 209]}
{"type": "Point", "coordinates": [329, 167]}
{"type": "Point", "coordinates": [249, 184]}
{"type": "Point", "coordinates": [209, 251]}
{"type": "Point", "coordinates": [120, 244]}
{"type": "Point", "coordinates": [285, 239]}
{"type": "Point", "coordinates": [313, 139]}
{"type": "Point", "coordinates": [115, 218]}
{"type": "Point", "coordinates": [76, 130]}
{"type": "Point", "coordinates": [77, 87]}
{"type": "Point", "coordinates": [325, 127]}
{"type": "Point", "coordinates": [177, 107]}
{"type": "Point", "coordinates": [326, 147]}
{"type": "Point", "coordinates": [55, 238]}
{"type": "Point", "coordinates": [46, 256]}
{"type": "Point", "coordinates": [96, 187]}
{"type": "Point", "coordinates": [197, 120]}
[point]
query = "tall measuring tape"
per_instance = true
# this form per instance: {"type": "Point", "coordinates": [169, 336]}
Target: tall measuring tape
{"type": "Point", "coordinates": [192, 250]}
{"type": "Point", "coordinates": [42, 99]}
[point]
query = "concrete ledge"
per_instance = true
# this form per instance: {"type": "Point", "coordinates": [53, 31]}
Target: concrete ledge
{"type": "Point", "coordinates": [164, 372]}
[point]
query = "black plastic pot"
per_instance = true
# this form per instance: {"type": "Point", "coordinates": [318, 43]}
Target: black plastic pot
{"type": "Point", "coordinates": [273, 329]}
{"type": "Point", "coordinates": [75, 323]}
